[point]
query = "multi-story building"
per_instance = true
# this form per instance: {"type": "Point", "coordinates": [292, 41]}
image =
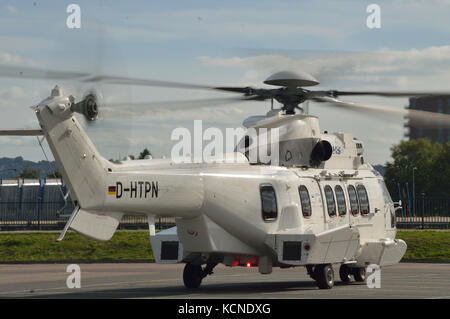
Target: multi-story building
{"type": "Point", "coordinates": [439, 104]}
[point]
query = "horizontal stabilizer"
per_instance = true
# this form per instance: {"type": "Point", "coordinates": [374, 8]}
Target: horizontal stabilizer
{"type": "Point", "coordinates": [29, 132]}
{"type": "Point", "coordinates": [96, 225]}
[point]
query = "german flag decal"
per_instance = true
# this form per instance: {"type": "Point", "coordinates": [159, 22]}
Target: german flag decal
{"type": "Point", "coordinates": [111, 190]}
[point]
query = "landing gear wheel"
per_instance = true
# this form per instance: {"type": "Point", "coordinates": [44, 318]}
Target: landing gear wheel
{"type": "Point", "coordinates": [324, 276]}
{"type": "Point", "coordinates": [192, 276]}
{"type": "Point", "coordinates": [359, 274]}
{"type": "Point", "coordinates": [345, 273]}
{"type": "Point", "coordinates": [311, 271]}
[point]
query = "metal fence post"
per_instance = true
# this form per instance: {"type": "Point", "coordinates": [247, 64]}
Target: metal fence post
{"type": "Point", "coordinates": [423, 210]}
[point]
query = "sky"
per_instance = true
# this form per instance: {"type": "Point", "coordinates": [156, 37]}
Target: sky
{"type": "Point", "coordinates": [218, 43]}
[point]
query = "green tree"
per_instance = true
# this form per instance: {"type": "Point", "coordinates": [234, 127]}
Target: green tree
{"type": "Point", "coordinates": [426, 157]}
{"type": "Point", "coordinates": [441, 169]}
{"type": "Point", "coordinates": [29, 173]}
{"type": "Point", "coordinates": [54, 174]}
{"type": "Point", "coordinates": [144, 153]}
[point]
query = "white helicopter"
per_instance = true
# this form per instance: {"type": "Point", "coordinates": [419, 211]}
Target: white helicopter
{"type": "Point", "coordinates": [321, 205]}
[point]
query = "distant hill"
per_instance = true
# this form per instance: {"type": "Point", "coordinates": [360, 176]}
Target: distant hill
{"type": "Point", "coordinates": [18, 163]}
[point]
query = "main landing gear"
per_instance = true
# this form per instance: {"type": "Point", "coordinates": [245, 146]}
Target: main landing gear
{"type": "Point", "coordinates": [194, 274]}
{"type": "Point", "coordinates": [346, 273]}
{"type": "Point", "coordinates": [324, 275]}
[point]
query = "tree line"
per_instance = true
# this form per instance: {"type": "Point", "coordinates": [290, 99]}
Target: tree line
{"type": "Point", "coordinates": [431, 165]}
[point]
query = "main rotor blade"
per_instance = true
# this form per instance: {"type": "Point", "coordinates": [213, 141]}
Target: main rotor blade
{"type": "Point", "coordinates": [141, 108]}
{"type": "Point", "coordinates": [386, 93]}
{"type": "Point", "coordinates": [244, 90]}
{"type": "Point", "coordinates": [37, 73]}
{"type": "Point", "coordinates": [417, 117]}
{"type": "Point", "coordinates": [145, 82]}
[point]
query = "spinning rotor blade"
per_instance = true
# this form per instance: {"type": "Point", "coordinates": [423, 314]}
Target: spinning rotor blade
{"type": "Point", "coordinates": [142, 108]}
{"type": "Point", "coordinates": [37, 73]}
{"type": "Point", "coordinates": [385, 93]}
{"type": "Point", "coordinates": [417, 117]}
{"type": "Point", "coordinates": [144, 82]}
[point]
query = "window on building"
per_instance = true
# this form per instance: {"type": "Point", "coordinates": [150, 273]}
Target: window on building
{"type": "Point", "coordinates": [268, 202]}
{"type": "Point", "coordinates": [363, 199]}
{"type": "Point", "coordinates": [354, 208]}
{"type": "Point", "coordinates": [340, 198]}
{"type": "Point", "coordinates": [305, 200]}
{"type": "Point", "coordinates": [331, 204]}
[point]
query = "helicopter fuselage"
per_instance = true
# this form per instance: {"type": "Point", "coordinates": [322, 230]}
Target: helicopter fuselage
{"type": "Point", "coordinates": [236, 213]}
{"type": "Point", "coordinates": [222, 210]}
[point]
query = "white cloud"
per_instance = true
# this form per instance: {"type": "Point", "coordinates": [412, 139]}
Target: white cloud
{"type": "Point", "coordinates": [144, 33]}
{"type": "Point", "coordinates": [273, 29]}
{"type": "Point", "coordinates": [368, 67]}
{"type": "Point", "coordinates": [11, 59]}
{"type": "Point", "coordinates": [11, 9]}
{"type": "Point", "coordinates": [15, 140]}
{"type": "Point", "coordinates": [13, 92]}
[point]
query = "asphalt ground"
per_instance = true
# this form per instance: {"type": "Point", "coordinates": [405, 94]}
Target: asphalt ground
{"type": "Point", "coordinates": [148, 280]}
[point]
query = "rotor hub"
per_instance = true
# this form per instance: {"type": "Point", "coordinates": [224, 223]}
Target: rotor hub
{"type": "Point", "coordinates": [291, 79]}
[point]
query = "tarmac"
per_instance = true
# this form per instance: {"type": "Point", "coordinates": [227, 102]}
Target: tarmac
{"type": "Point", "coordinates": [149, 280]}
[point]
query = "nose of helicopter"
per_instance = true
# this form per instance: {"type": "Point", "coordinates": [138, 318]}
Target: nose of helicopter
{"type": "Point", "coordinates": [291, 79]}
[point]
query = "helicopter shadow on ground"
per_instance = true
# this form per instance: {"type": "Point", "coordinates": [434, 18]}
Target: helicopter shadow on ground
{"type": "Point", "coordinates": [208, 290]}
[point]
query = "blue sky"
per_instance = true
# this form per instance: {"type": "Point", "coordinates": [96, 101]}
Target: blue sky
{"type": "Point", "coordinates": [221, 43]}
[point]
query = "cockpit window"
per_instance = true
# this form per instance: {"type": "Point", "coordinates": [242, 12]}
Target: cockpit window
{"type": "Point", "coordinates": [305, 200]}
{"type": "Point", "coordinates": [331, 204]}
{"type": "Point", "coordinates": [268, 203]}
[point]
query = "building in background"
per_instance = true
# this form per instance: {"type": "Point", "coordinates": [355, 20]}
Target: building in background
{"type": "Point", "coordinates": [439, 104]}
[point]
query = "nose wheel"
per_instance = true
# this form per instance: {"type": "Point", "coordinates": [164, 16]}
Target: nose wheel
{"type": "Point", "coordinates": [192, 276]}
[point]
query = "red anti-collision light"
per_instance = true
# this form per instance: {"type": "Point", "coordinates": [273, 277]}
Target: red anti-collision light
{"type": "Point", "coordinates": [248, 265]}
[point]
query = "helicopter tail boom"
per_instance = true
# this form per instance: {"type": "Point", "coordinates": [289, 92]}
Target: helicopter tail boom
{"type": "Point", "coordinates": [79, 163]}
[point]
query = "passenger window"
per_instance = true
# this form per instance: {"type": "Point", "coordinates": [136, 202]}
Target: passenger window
{"type": "Point", "coordinates": [331, 204]}
{"type": "Point", "coordinates": [305, 201]}
{"type": "Point", "coordinates": [363, 199]}
{"type": "Point", "coordinates": [340, 198]}
{"type": "Point", "coordinates": [268, 202]}
{"type": "Point", "coordinates": [354, 209]}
